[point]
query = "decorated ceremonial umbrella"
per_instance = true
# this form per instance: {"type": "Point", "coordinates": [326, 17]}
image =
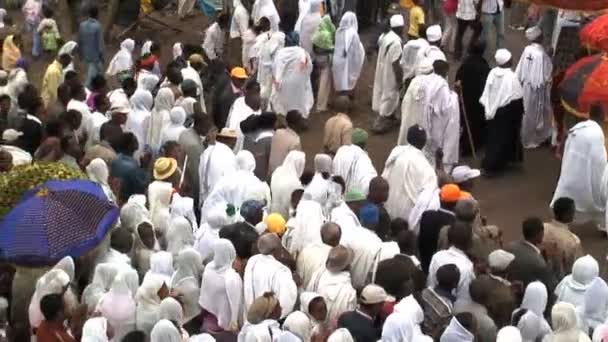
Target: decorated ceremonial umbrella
{"type": "Point", "coordinates": [581, 5]}
{"type": "Point", "coordinates": [585, 83]}
{"type": "Point", "coordinates": [595, 34]}
{"type": "Point", "coordinates": [54, 220]}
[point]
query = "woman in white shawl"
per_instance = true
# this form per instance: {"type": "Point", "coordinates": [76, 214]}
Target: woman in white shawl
{"type": "Point", "coordinates": [404, 323]}
{"type": "Point", "coordinates": [318, 316]}
{"type": "Point", "coordinates": [68, 48]}
{"type": "Point", "coordinates": [118, 306]}
{"type": "Point", "coordinates": [54, 281]}
{"type": "Point", "coordinates": [509, 334]}
{"type": "Point", "coordinates": [291, 75]}
{"type": "Point", "coordinates": [96, 330]}
{"type": "Point", "coordinates": [309, 24]}
{"type": "Point", "coordinates": [221, 290]}
{"type": "Point", "coordinates": [144, 245]}
{"type": "Point", "coordinates": [573, 287]}
{"type": "Point", "coordinates": [183, 206]}
{"type": "Point", "coordinates": [161, 266]}
{"type": "Point", "coordinates": [186, 281]}
{"type": "Point", "coordinates": [341, 335]}
{"type": "Point", "coordinates": [165, 331]}
{"type": "Point", "coordinates": [159, 119]}
{"type": "Point", "coordinates": [349, 54]}
{"type": "Point", "coordinates": [141, 105]}
{"type": "Point", "coordinates": [172, 132]}
{"type": "Point", "coordinates": [159, 199]}
{"type": "Point", "coordinates": [595, 308]}
{"type": "Point", "coordinates": [319, 186]}
{"type": "Point", "coordinates": [179, 235]}
{"type": "Point", "coordinates": [148, 303]}
{"type": "Point", "coordinates": [98, 173]}
{"type": "Point", "coordinates": [299, 324]}
{"type": "Point", "coordinates": [266, 8]}
{"type": "Point", "coordinates": [122, 62]}
{"type": "Point", "coordinates": [532, 323]}
{"type": "Point", "coordinates": [100, 285]}
{"type": "Point", "coordinates": [456, 332]}
{"type": "Point", "coordinates": [305, 230]}
{"type": "Point", "coordinates": [563, 319]}
{"type": "Point", "coordinates": [286, 179]}
{"type": "Point", "coordinates": [209, 232]}
{"type": "Point", "coordinates": [264, 50]}
{"type": "Point", "coordinates": [171, 310]}
{"type": "Point", "coordinates": [134, 212]}
{"type": "Point", "coordinates": [240, 20]}
{"type": "Point", "coordinates": [217, 161]}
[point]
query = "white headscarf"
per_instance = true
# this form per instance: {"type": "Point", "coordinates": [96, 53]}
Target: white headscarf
{"type": "Point", "coordinates": [221, 287]}
{"type": "Point", "coordinates": [209, 232]}
{"type": "Point", "coordinates": [159, 198]}
{"type": "Point", "coordinates": [318, 187]}
{"type": "Point", "coordinates": [68, 48]}
{"type": "Point", "coordinates": [563, 319]}
{"type": "Point", "coordinates": [145, 49]}
{"type": "Point", "coordinates": [118, 305]}
{"type": "Point", "coordinates": [171, 309]}
{"type": "Point", "coordinates": [161, 265]}
{"type": "Point", "coordinates": [97, 170]}
{"type": "Point", "coordinates": [341, 335]}
{"type": "Point", "coordinates": [535, 298]}
{"type": "Point", "coordinates": [123, 59]}
{"type": "Point", "coordinates": [533, 324]}
{"type": "Point", "coordinates": [54, 281]}
{"type": "Point", "coordinates": [398, 327]}
{"type": "Point", "coordinates": [100, 285]}
{"type": "Point", "coordinates": [186, 281]}
{"type": "Point", "coordinates": [179, 235]}
{"type": "Point", "coordinates": [148, 303]}
{"type": "Point", "coordinates": [349, 54]}
{"type": "Point", "coordinates": [306, 226]}
{"type": "Point", "coordinates": [266, 8]}
{"type": "Point", "coordinates": [502, 87]}
{"type": "Point", "coordinates": [595, 307]}
{"type": "Point", "coordinates": [309, 23]}
{"type": "Point", "coordinates": [176, 126]}
{"type": "Point", "coordinates": [134, 212]}
{"type": "Point", "coordinates": [286, 179]}
{"type": "Point", "coordinates": [508, 334]}
{"type": "Point", "coordinates": [165, 331]}
{"type": "Point", "coordinates": [573, 287]}
{"type": "Point", "coordinates": [159, 120]}
{"type": "Point", "coordinates": [178, 50]}
{"type": "Point", "coordinates": [532, 327]}
{"type": "Point", "coordinates": [141, 105]}
{"type": "Point", "coordinates": [184, 206]}
{"type": "Point", "coordinates": [95, 330]}
{"type": "Point", "coordinates": [455, 332]}
{"type": "Point", "coordinates": [299, 324]}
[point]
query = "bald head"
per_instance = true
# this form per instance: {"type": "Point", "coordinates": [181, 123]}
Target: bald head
{"type": "Point", "coordinates": [331, 234]}
{"type": "Point", "coordinates": [466, 210]}
{"type": "Point", "coordinates": [268, 243]}
{"type": "Point", "coordinates": [338, 259]}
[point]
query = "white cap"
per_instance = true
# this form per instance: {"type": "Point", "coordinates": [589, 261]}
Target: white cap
{"type": "Point", "coordinates": [397, 21]}
{"type": "Point", "coordinates": [373, 294]}
{"type": "Point", "coordinates": [500, 259]}
{"type": "Point", "coordinates": [463, 173]}
{"type": "Point", "coordinates": [502, 56]}
{"type": "Point", "coordinates": [533, 33]}
{"type": "Point", "coordinates": [433, 33]}
{"type": "Point", "coordinates": [425, 66]}
{"type": "Point", "coordinates": [11, 135]}
{"type": "Point", "coordinates": [120, 105]}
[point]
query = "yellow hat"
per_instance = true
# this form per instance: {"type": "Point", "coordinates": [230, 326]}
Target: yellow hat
{"type": "Point", "coordinates": [238, 72]}
{"type": "Point", "coordinates": [275, 223]}
{"type": "Point", "coordinates": [164, 168]}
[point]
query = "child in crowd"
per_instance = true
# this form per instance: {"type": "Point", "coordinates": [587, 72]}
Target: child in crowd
{"type": "Point", "coordinates": [49, 33]}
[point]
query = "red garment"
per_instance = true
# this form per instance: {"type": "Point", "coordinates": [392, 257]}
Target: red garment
{"type": "Point", "coordinates": [387, 310]}
{"type": "Point", "coordinates": [52, 332]}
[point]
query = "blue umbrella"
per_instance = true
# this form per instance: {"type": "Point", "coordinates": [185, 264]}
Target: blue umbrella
{"type": "Point", "coordinates": [54, 220]}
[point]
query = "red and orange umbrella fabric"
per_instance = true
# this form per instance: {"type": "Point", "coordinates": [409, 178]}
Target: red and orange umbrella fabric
{"type": "Point", "coordinates": [585, 83]}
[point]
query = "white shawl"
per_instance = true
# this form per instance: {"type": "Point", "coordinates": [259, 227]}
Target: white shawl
{"type": "Point", "coordinates": [502, 87]}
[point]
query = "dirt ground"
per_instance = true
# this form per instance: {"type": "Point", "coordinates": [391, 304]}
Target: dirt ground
{"type": "Point", "coordinates": [506, 200]}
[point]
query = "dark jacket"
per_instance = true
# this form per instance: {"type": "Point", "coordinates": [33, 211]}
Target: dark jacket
{"type": "Point", "coordinates": [529, 265]}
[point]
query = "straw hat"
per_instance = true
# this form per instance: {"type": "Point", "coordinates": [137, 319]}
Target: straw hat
{"type": "Point", "coordinates": [164, 168]}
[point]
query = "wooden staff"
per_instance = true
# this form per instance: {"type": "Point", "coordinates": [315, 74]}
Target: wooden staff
{"type": "Point", "coordinates": [466, 122]}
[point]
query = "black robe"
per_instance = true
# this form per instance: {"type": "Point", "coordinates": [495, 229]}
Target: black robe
{"type": "Point", "coordinates": [503, 145]}
{"type": "Point", "coordinates": [472, 74]}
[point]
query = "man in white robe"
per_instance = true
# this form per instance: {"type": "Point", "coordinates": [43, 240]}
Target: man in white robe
{"type": "Point", "coordinates": [433, 49]}
{"type": "Point", "coordinates": [441, 116]}
{"type": "Point", "coordinates": [314, 255]}
{"type": "Point", "coordinates": [353, 164]}
{"type": "Point", "coordinates": [291, 86]}
{"type": "Point", "coordinates": [264, 273]}
{"type": "Point", "coordinates": [264, 50]}
{"type": "Point", "coordinates": [333, 282]}
{"type": "Point", "coordinates": [309, 24]}
{"type": "Point", "coordinates": [266, 9]}
{"type": "Point", "coordinates": [216, 161]}
{"type": "Point", "coordinates": [583, 164]}
{"type": "Point", "coordinates": [192, 72]}
{"type": "Point", "coordinates": [534, 71]}
{"type": "Point", "coordinates": [242, 108]}
{"type": "Point", "coordinates": [408, 172]}
{"type": "Point", "coordinates": [413, 101]}
{"type": "Point", "coordinates": [388, 77]}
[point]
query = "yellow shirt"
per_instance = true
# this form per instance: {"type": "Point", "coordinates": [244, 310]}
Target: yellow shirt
{"type": "Point", "coordinates": [416, 19]}
{"type": "Point", "coordinates": [52, 79]}
{"type": "Point", "coordinates": [407, 4]}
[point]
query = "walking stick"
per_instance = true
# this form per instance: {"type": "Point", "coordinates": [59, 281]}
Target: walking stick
{"type": "Point", "coordinates": [466, 122]}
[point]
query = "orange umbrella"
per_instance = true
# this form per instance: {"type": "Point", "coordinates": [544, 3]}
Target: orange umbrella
{"type": "Point", "coordinates": [595, 34]}
{"type": "Point", "coordinates": [584, 84]}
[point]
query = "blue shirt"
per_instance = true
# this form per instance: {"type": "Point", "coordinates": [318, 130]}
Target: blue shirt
{"type": "Point", "coordinates": [90, 41]}
{"type": "Point", "coordinates": [133, 179]}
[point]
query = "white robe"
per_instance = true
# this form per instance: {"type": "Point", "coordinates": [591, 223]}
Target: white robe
{"type": "Point", "coordinates": [264, 51]}
{"type": "Point", "coordinates": [240, 20]}
{"type": "Point", "coordinates": [239, 112]}
{"type": "Point", "coordinates": [385, 100]}
{"type": "Point", "coordinates": [412, 107]}
{"type": "Point", "coordinates": [534, 71]}
{"type": "Point", "coordinates": [354, 165]}
{"type": "Point", "coordinates": [336, 289]}
{"type": "Point", "coordinates": [407, 172]}
{"type": "Point", "coordinates": [349, 54]}
{"type": "Point", "coordinates": [291, 75]}
{"type": "Point", "coordinates": [306, 226]}
{"type": "Point", "coordinates": [266, 8]}
{"type": "Point", "coordinates": [285, 180]}
{"type": "Point", "coordinates": [310, 259]}
{"type": "Point", "coordinates": [455, 256]}
{"type": "Point", "coordinates": [216, 161]}
{"type": "Point", "coordinates": [264, 273]}
{"type": "Point", "coordinates": [440, 119]}
{"type": "Point", "coordinates": [141, 107]}
{"type": "Point", "coordinates": [189, 73]}
{"type": "Point", "coordinates": [411, 56]}
{"type": "Point", "coordinates": [583, 165]}
{"type": "Point", "coordinates": [308, 26]}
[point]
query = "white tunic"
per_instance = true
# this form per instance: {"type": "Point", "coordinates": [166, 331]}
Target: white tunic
{"type": "Point", "coordinates": [354, 165]}
{"type": "Point", "coordinates": [291, 86]}
{"type": "Point", "coordinates": [349, 54]}
{"type": "Point", "coordinates": [264, 50]}
{"type": "Point", "coordinates": [455, 256]}
{"type": "Point", "coordinates": [412, 107]}
{"type": "Point", "coordinates": [534, 71]}
{"type": "Point", "coordinates": [336, 289]}
{"type": "Point", "coordinates": [385, 99]}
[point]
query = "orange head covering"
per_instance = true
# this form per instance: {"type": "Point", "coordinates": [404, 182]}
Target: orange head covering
{"type": "Point", "coordinates": [451, 193]}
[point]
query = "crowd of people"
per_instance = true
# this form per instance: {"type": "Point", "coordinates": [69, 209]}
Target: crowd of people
{"type": "Point", "coordinates": [225, 233]}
